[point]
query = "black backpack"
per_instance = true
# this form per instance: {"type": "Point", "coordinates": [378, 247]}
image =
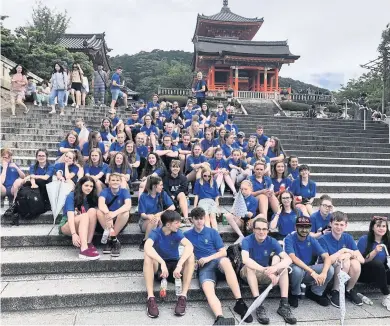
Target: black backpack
{"type": "Point", "coordinates": [29, 203]}
{"type": "Point", "coordinates": [234, 255]}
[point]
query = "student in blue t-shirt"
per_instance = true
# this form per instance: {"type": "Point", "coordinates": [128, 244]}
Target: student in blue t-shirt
{"type": "Point", "coordinates": [250, 148]}
{"type": "Point", "coordinates": [133, 125]}
{"type": "Point", "coordinates": [70, 171]}
{"type": "Point", "coordinates": [11, 175]}
{"type": "Point", "coordinates": [120, 165]}
{"type": "Point", "coordinates": [153, 166]}
{"type": "Point", "coordinates": [275, 150]}
{"type": "Point", "coordinates": [241, 143]}
{"type": "Point", "coordinates": [185, 148]}
{"type": "Point", "coordinates": [80, 216]}
{"type": "Point", "coordinates": [239, 169]}
{"type": "Point", "coordinates": [220, 172]}
{"type": "Point", "coordinates": [152, 203]}
{"type": "Point", "coordinates": [108, 134]}
{"type": "Point", "coordinates": [230, 126]}
{"type": "Point", "coordinates": [342, 250]}
{"type": "Point", "coordinates": [208, 144]}
{"type": "Point", "coordinates": [119, 145]}
{"type": "Point", "coordinates": [293, 167]}
{"type": "Point", "coordinates": [96, 169]}
{"type": "Point", "coordinates": [304, 251]}
{"type": "Point", "coordinates": [263, 258]}
{"type": "Point", "coordinates": [170, 131]}
{"type": "Point", "coordinates": [133, 159]}
{"type": "Point", "coordinates": [195, 162]}
{"type": "Point", "coordinates": [199, 89]}
{"type": "Point", "coordinates": [188, 113]}
{"type": "Point", "coordinates": [195, 132]}
{"type": "Point", "coordinates": [213, 265]}
{"type": "Point", "coordinates": [156, 120]}
{"type": "Point", "coordinates": [151, 131]}
{"type": "Point", "coordinates": [69, 144]}
{"type": "Point", "coordinates": [161, 260]}
{"type": "Point", "coordinates": [261, 138]}
{"type": "Point", "coordinates": [279, 177]}
{"type": "Point", "coordinates": [222, 116]}
{"type": "Point", "coordinates": [142, 151]}
{"type": "Point", "coordinates": [320, 220]}
{"type": "Point", "coordinates": [93, 142]}
{"type": "Point", "coordinates": [114, 212]}
{"type": "Point", "coordinates": [213, 124]}
{"type": "Point", "coordinates": [373, 247]}
{"type": "Point", "coordinates": [304, 190]}
{"type": "Point", "coordinates": [167, 151]}
{"type": "Point", "coordinates": [228, 146]}
{"type": "Point", "coordinates": [154, 103]}
{"type": "Point", "coordinates": [118, 124]}
{"type": "Point", "coordinates": [115, 88]}
{"type": "Point", "coordinates": [251, 203]}
{"type": "Point", "coordinates": [259, 156]}
{"type": "Point", "coordinates": [142, 109]}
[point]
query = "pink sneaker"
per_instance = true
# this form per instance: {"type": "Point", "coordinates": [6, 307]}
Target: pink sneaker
{"type": "Point", "coordinates": [89, 254]}
{"type": "Point", "coordinates": [92, 247]}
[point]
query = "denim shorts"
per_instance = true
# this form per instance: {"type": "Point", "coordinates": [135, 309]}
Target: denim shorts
{"type": "Point", "coordinates": [210, 272]}
{"type": "Point", "coordinates": [116, 93]}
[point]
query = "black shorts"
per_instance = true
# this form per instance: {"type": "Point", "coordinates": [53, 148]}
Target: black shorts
{"type": "Point", "coordinates": [200, 101]}
{"type": "Point", "coordinates": [77, 86]}
{"type": "Point", "coordinates": [171, 265]}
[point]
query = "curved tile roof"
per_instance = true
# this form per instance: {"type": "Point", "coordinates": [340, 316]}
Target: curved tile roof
{"type": "Point", "coordinates": [226, 15]}
{"type": "Point", "coordinates": [83, 41]}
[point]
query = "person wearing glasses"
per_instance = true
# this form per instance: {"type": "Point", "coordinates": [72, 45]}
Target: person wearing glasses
{"type": "Point", "coordinates": [167, 151]}
{"type": "Point", "coordinates": [373, 247]}
{"type": "Point", "coordinates": [303, 250]}
{"type": "Point", "coordinates": [222, 116]}
{"type": "Point", "coordinates": [348, 256]}
{"type": "Point", "coordinates": [264, 260]}
{"type": "Point", "coordinates": [320, 220]}
{"type": "Point", "coordinates": [210, 254]}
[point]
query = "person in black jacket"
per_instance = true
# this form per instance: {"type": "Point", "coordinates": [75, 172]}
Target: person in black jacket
{"type": "Point", "coordinates": [176, 186]}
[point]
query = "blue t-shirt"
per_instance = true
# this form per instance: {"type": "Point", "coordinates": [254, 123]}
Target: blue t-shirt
{"type": "Point", "coordinates": [142, 151]}
{"type": "Point", "coordinates": [252, 204]}
{"type": "Point", "coordinates": [115, 77]}
{"type": "Point", "coordinates": [307, 250]}
{"type": "Point", "coordinates": [257, 185]}
{"type": "Point", "coordinates": [208, 123]}
{"type": "Point", "coordinates": [362, 245]}
{"type": "Point", "coordinates": [206, 144]}
{"type": "Point", "coordinates": [95, 170]}
{"type": "Point", "coordinates": [10, 176]}
{"type": "Point", "coordinates": [206, 242]}
{"type": "Point", "coordinates": [49, 170]}
{"type": "Point", "coordinates": [162, 148]}
{"type": "Point", "coordinates": [254, 160]}
{"type": "Point", "coordinates": [227, 150]}
{"type": "Point", "coordinates": [286, 222]}
{"type": "Point", "coordinates": [231, 127]}
{"type": "Point", "coordinates": [262, 139]}
{"type": "Point", "coordinates": [187, 114]}
{"type": "Point", "coordinates": [198, 86]}
{"type": "Point", "coordinates": [272, 154]}
{"type": "Point", "coordinates": [122, 194]}
{"type": "Point", "coordinates": [331, 245]}
{"type": "Point", "coordinates": [115, 121]}
{"type": "Point", "coordinates": [72, 169]}
{"type": "Point", "coordinates": [69, 204]}
{"type": "Point", "coordinates": [104, 134]}
{"type": "Point", "coordinates": [142, 112]}
{"type": "Point", "coordinates": [183, 147]}
{"type": "Point", "coordinates": [166, 114]}
{"type": "Point", "coordinates": [308, 191]}
{"type": "Point", "coordinates": [250, 152]}
{"type": "Point", "coordinates": [167, 246]}
{"type": "Point", "coordinates": [151, 129]}
{"type": "Point", "coordinates": [261, 252]}
{"type": "Point", "coordinates": [116, 147]}
{"type": "Point", "coordinates": [149, 205]}
{"type": "Point", "coordinates": [151, 105]}
{"type": "Point", "coordinates": [131, 122]}
{"type": "Point", "coordinates": [205, 190]}
{"type": "Point", "coordinates": [286, 181]}
{"type": "Point", "coordinates": [85, 150]}
{"type": "Point", "coordinates": [239, 163]}
{"type": "Point", "coordinates": [218, 164]}
{"type": "Point", "coordinates": [174, 134]}
{"type": "Point", "coordinates": [241, 145]}
{"type": "Point", "coordinates": [318, 222]}
{"type": "Point", "coordinates": [294, 173]}
{"type": "Point", "coordinates": [222, 117]}
{"type": "Point", "coordinates": [194, 160]}
{"type": "Point", "coordinates": [65, 144]}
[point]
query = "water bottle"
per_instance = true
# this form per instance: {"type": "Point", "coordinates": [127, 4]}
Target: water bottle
{"type": "Point", "coordinates": [271, 187]}
{"type": "Point", "coordinates": [224, 220]}
{"type": "Point", "coordinates": [178, 286]}
{"type": "Point", "coordinates": [303, 291]}
{"type": "Point", "coordinates": [365, 299]}
{"type": "Point", "coordinates": [163, 288]}
{"type": "Point", "coordinates": [105, 236]}
{"type": "Point", "coordinates": [6, 201]}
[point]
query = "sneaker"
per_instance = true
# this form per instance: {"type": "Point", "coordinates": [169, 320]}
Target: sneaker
{"type": "Point", "coordinates": [261, 314]}
{"type": "Point", "coordinates": [27, 110]}
{"type": "Point", "coordinates": [62, 113]}
{"type": "Point", "coordinates": [320, 299]}
{"type": "Point", "coordinates": [116, 248]}
{"type": "Point", "coordinates": [89, 254]}
{"type": "Point", "coordinates": [52, 112]}
{"type": "Point", "coordinates": [386, 302]}
{"type": "Point", "coordinates": [352, 296]}
{"type": "Point", "coordinates": [181, 305]}
{"type": "Point", "coordinates": [152, 309]}
{"type": "Point", "coordinates": [241, 308]}
{"type": "Point", "coordinates": [108, 247]}
{"type": "Point", "coordinates": [221, 320]}
{"type": "Point", "coordinates": [141, 245]}
{"type": "Point", "coordinates": [40, 104]}
{"type": "Point", "coordinates": [284, 310]}
{"type": "Point", "coordinates": [293, 300]}
{"type": "Point", "coordinates": [73, 104]}
{"type": "Point", "coordinates": [335, 298]}
{"type": "Point", "coordinates": [77, 107]}
{"type": "Point", "coordinates": [92, 247]}
{"type": "Point", "coordinates": [35, 103]}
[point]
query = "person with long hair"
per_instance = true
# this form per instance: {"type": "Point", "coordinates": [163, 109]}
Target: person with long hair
{"type": "Point", "coordinates": [153, 166]}
{"type": "Point", "coordinates": [228, 146]}
{"type": "Point", "coordinates": [71, 170]}
{"type": "Point", "coordinates": [220, 171]}
{"type": "Point", "coordinates": [279, 177]}
{"type": "Point", "coordinates": [96, 169]}
{"type": "Point", "coordinates": [79, 217]}
{"type": "Point", "coordinates": [69, 144]}
{"type": "Point", "coordinates": [11, 175]}
{"type": "Point", "coordinates": [133, 159]}
{"type": "Point", "coordinates": [59, 84]}
{"type": "Point", "coordinates": [259, 156]}
{"type": "Point", "coordinates": [76, 83]}
{"type": "Point", "coordinates": [107, 133]}
{"type": "Point", "coordinates": [204, 114]}
{"type": "Point", "coordinates": [93, 142]}
{"type": "Point", "coordinates": [167, 151]}
{"type": "Point", "coordinates": [185, 149]}
{"type": "Point", "coordinates": [262, 189]}
{"type": "Point", "coordinates": [239, 169]}
{"type": "Point", "coordinates": [221, 137]}
{"type": "Point", "coordinates": [153, 202]}
{"type": "Point", "coordinates": [195, 162]}
{"type": "Point", "coordinates": [293, 167]}
{"type": "Point", "coordinates": [120, 165]}
{"type": "Point", "coordinates": [155, 114]}
{"type": "Point", "coordinates": [207, 196]}
{"type": "Point", "coordinates": [18, 88]}
{"type": "Point", "coordinates": [284, 219]}
{"type": "Point", "coordinates": [252, 204]}
{"type": "Point", "coordinates": [304, 190]}
{"type": "Point", "coordinates": [274, 150]}
{"type": "Point", "coordinates": [151, 131]}
{"type": "Point", "coordinates": [208, 144]}
{"type": "Point", "coordinates": [195, 132]}
{"type": "Point", "coordinates": [250, 148]}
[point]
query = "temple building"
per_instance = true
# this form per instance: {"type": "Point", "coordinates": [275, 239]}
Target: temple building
{"type": "Point", "coordinates": [93, 45]}
{"type": "Point", "coordinates": [228, 58]}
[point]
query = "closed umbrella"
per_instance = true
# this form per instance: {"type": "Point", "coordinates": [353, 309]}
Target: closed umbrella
{"type": "Point", "coordinates": [57, 192]}
{"type": "Point", "coordinates": [343, 278]}
{"type": "Point", "coordinates": [239, 209]}
{"type": "Point", "coordinates": [220, 183]}
{"type": "Point", "coordinates": [387, 253]}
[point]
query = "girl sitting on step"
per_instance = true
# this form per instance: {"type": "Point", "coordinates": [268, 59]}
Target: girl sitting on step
{"type": "Point", "coordinates": [133, 159]}
{"type": "Point", "coordinates": [154, 166]}
{"type": "Point", "coordinates": [120, 165]}
{"type": "Point", "coordinates": [258, 156]}
{"type": "Point", "coordinates": [275, 150]}
{"type": "Point", "coordinates": [96, 168]}
{"type": "Point", "coordinates": [71, 169]}
{"type": "Point", "coordinates": [220, 171]}
{"type": "Point", "coordinates": [69, 144]}
{"type": "Point", "coordinates": [250, 148]}
{"type": "Point", "coordinates": [80, 216]}
{"type": "Point", "coordinates": [279, 177]}
{"type": "Point", "coordinates": [11, 175]}
{"type": "Point", "coordinates": [293, 167]}
{"type": "Point", "coordinates": [195, 162]}
{"type": "Point", "coordinates": [93, 142]}
{"type": "Point", "coordinates": [239, 168]}
{"type": "Point", "coordinates": [304, 190]}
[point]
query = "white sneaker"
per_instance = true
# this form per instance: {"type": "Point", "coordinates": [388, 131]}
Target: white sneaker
{"type": "Point", "coordinates": [35, 103]}
{"type": "Point", "coordinates": [40, 104]}
{"type": "Point", "coordinates": [62, 113]}
{"type": "Point", "coordinates": [52, 112]}
{"type": "Point", "coordinates": [73, 104]}
{"type": "Point", "coordinates": [386, 302]}
{"type": "Point", "coordinates": [77, 107]}
{"type": "Point", "coordinates": [239, 240]}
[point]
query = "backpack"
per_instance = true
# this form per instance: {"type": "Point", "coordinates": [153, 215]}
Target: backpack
{"type": "Point", "coordinates": [29, 203]}
{"type": "Point", "coordinates": [234, 255]}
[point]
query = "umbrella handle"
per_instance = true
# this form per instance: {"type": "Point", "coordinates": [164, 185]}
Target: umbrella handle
{"type": "Point", "coordinates": [385, 247]}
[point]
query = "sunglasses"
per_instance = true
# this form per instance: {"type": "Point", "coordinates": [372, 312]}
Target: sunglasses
{"type": "Point", "coordinates": [379, 218]}
{"type": "Point", "coordinates": [206, 176]}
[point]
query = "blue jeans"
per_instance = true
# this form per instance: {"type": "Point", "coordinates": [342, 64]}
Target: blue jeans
{"type": "Point", "coordinates": [98, 93]}
{"type": "Point", "coordinates": [298, 276]}
{"type": "Point", "coordinates": [60, 96]}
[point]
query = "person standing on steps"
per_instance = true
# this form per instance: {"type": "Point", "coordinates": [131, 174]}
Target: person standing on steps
{"type": "Point", "coordinates": [162, 260]}
{"type": "Point", "coordinates": [116, 88]}
{"type": "Point", "coordinates": [76, 83]}
{"type": "Point", "coordinates": [31, 91]}
{"type": "Point", "coordinates": [59, 84]}
{"type": "Point", "coordinates": [18, 87]}
{"type": "Point", "coordinates": [210, 254]}
{"type": "Point", "coordinates": [199, 89]}
{"type": "Point", "coordinates": [99, 82]}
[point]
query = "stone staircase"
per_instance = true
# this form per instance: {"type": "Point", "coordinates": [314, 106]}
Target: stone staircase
{"type": "Point", "coordinates": [41, 269]}
{"type": "Point", "coordinates": [259, 106]}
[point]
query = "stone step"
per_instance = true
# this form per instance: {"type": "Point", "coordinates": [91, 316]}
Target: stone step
{"type": "Point", "coordinates": [342, 160]}
{"type": "Point", "coordinates": [350, 177]}
{"type": "Point", "coordinates": [348, 187]}
{"type": "Point", "coordinates": [334, 154]}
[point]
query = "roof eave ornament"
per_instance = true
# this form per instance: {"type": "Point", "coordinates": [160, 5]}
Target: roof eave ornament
{"type": "Point", "coordinates": [225, 7]}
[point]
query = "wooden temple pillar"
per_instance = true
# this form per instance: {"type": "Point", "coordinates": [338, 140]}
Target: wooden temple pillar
{"type": "Point", "coordinates": [236, 82]}
{"type": "Point", "coordinates": [258, 81]}
{"type": "Point", "coordinates": [277, 78]}
{"type": "Point", "coordinates": [265, 79]}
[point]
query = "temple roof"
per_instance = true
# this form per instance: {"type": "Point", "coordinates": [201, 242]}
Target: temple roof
{"type": "Point", "coordinates": [84, 41]}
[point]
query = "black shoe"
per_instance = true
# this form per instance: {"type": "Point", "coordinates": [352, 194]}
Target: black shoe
{"type": "Point", "coordinates": [116, 248]}
{"type": "Point", "coordinates": [293, 300]}
{"type": "Point", "coordinates": [352, 296]}
{"type": "Point", "coordinates": [10, 211]}
{"type": "Point", "coordinates": [224, 321]}
{"type": "Point", "coordinates": [142, 245]}
{"type": "Point", "coordinates": [261, 315]}
{"type": "Point", "coordinates": [335, 298]}
{"type": "Point", "coordinates": [284, 310]}
{"type": "Point", "coordinates": [320, 299]}
{"type": "Point", "coordinates": [15, 219]}
{"type": "Point", "coordinates": [108, 247]}
{"type": "Point", "coordinates": [241, 308]}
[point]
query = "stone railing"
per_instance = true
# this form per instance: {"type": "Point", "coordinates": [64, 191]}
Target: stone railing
{"type": "Point", "coordinates": [315, 98]}
{"type": "Point", "coordinates": [188, 92]}
{"type": "Point", "coordinates": [258, 95]}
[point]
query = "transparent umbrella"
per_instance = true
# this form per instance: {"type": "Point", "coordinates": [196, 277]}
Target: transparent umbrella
{"type": "Point", "coordinates": [343, 278]}
{"type": "Point", "coordinates": [57, 192]}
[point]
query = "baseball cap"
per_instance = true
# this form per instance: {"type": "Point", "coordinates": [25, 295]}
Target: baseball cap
{"type": "Point", "coordinates": [303, 221]}
{"type": "Point", "coordinates": [241, 134]}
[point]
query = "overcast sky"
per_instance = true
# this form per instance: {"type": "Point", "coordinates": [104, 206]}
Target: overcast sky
{"type": "Point", "coordinates": [333, 37]}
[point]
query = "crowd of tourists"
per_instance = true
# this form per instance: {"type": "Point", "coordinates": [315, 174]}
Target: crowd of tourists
{"type": "Point", "coordinates": [175, 152]}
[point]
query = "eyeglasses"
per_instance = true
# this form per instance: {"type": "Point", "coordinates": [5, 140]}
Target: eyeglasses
{"type": "Point", "coordinates": [286, 198]}
{"type": "Point", "coordinates": [379, 218]}
{"type": "Point", "coordinates": [327, 206]}
{"type": "Point", "coordinates": [261, 229]}
{"type": "Point", "coordinates": [165, 140]}
{"type": "Point", "coordinates": [206, 176]}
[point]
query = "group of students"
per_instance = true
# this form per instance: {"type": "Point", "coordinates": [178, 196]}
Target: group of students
{"type": "Point", "coordinates": [174, 152]}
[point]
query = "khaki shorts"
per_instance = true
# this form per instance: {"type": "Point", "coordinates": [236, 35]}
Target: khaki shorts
{"type": "Point", "coordinates": [262, 278]}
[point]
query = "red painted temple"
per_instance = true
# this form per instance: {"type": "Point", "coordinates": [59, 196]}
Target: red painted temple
{"type": "Point", "coordinates": [228, 58]}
